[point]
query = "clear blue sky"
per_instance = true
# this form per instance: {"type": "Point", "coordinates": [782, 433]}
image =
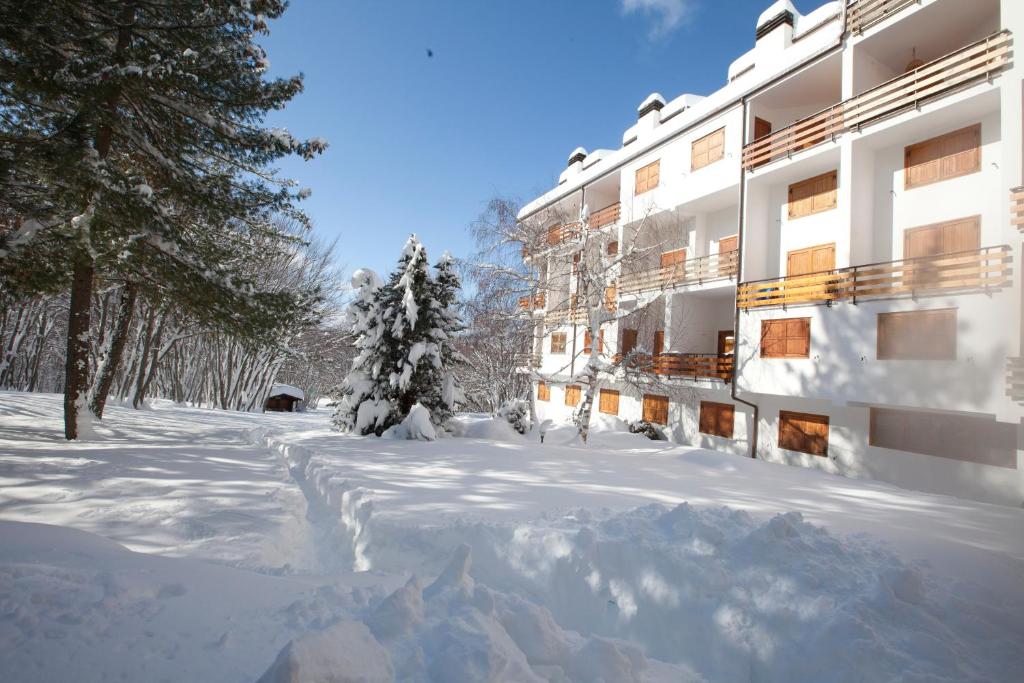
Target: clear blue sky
{"type": "Point", "coordinates": [419, 144]}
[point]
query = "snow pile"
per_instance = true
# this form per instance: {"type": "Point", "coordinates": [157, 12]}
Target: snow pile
{"type": "Point", "coordinates": [457, 630]}
{"type": "Point", "coordinates": [416, 426]}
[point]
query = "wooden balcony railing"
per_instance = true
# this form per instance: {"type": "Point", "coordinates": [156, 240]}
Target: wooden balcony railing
{"type": "Point", "coordinates": [861, 14]}
{"type": "Point", "coordinates": [1017, 207]}
{"type": "Point", "coordinates": [538, 302]}
{"type": "Point", "coordinates": [605, 216]}
{"type": "Point", "coordinates": [562, 233]}
{"type": "Point", "coordinates": [691, 271]}
{"type": "Point", "coordinates": [683, 365]}
{"type": "Point", "coordinates": [565, 314]}
{"type": "Point", "coordinates": [528, 360]}
{"type": "Point", "coordinates": [977, 269]}
{"type": "Point", "coordinates": [1015, 379]}
{"type": "Point", "coordinates": [975, 62]}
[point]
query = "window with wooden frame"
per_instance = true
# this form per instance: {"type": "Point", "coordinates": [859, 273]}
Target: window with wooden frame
{"type": "Point", "coordinates": [628, 343]}
{"type": "Point", "coordinates": [655, 409]}
{"type": "Point", "coordinates": [586, 341]}
{"type": "Point", "coordinates": [917, 335]}
{"type": "Point", "coordinates": [543, 392]}
{"type": "Point", "coordinates": [608, 402]}
{"type": "Point", "coordinates": [716, 419]}
{"type": "Point", "coordinates": [613, 248]}
{"type": "Point", "coordinates": [647, 177]}
{"type": "Point", "coordinates": [969, 438]}
{"type": "Point", "coordinates": [947, 156]}
{"type": "Point", "coordinates": [707, 150]}
{"type": "Point", "coordinates": [813, 195]}
{"type": "Point", "coordinates": [558, 342]}
{"type": "Point", "coordinates": [803, 432]}
{"type": "Point", "coordinates": [786, 338]}
{"type": "Point", "coordinates": [808, 260]}
{"type": "Point", "coordinates": [572, 394]}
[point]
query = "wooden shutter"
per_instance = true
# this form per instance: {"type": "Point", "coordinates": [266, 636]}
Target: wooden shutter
{"type": "Point", "coordinates": [659, 342]}
{"type": "Point", "coordinates": [647, 178]}
{"type": "Point", "coordinates": [917, 335]}
{"type": "Point", "coordinates": [613, 248]}
{"type": "Point", "coordinates": [716, 419]}
{"type": "Point", "coordinates": [655, 409]}
{"type": "Point", "coordinates": [811, 260]}
{"type": "Point", "coordinates": [728, 244]}
{"type": "Point", "coordinates": [586, 341]}
{"type": "Point", "coordinates": [786, 338]}
{"type": "Point", "coordinates": [610, 297]}
{"type": "Point", "coordinates": [572, 394]}
{"type": "Point", "coordinates": [671, 258]}
{"type": "Point", "coordinates": [543, 392]}
{"type": "Point", "coordinates": [628, 341]}
{"type": "Point", "coordinates": [948, 237]}
{"type": "Point", "coordinates": [558, 342]}
{"type": "Point", "coordinates": [707, 150]}
{"type": "Point", "coordinates": [970, 438]}
{"type": "Point", "coordinates": [947, 156]}
{"type": "Point", "coordinates": [813, 195]}
{"type": "Point", "coordinates": [803, 432]}
{"type": "Point", "coordinates": [608, 402]}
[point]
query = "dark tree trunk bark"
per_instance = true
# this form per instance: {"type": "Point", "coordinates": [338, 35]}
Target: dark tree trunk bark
{"type": "Point", "coordinates": [77, 369]}
{"type": "Point", "coordinates": [108, 369]}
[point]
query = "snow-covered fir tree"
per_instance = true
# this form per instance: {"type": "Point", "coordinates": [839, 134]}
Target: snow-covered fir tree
{"type": "Point", "coordinates": [404, 338]}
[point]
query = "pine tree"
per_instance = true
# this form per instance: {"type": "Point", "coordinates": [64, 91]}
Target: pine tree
{"type": "Point", "coordinates": [404, 332]}
{"type": "Point", "coordinates": [133, 147]}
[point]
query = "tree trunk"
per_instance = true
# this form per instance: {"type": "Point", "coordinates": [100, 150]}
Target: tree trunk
{"type": "Point", "coordinates": [105, 376]}
{"type": "Point", "coordinates": [77, 369]}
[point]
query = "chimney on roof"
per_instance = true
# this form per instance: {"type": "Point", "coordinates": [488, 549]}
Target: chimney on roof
{"type": "Point", "coordinates": [775, 26]}
{"type": "Point", "coordinates": [577, 156]}
{"type": "Point", "coordinates": [648, 114]}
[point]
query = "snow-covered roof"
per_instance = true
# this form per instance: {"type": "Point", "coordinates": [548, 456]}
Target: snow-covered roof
{"type": "Point", "coordinates": [287, 390]}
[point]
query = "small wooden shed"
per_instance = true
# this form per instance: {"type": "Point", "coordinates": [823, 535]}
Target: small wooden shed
{"type": "Point", "coordinates": [284, 398]}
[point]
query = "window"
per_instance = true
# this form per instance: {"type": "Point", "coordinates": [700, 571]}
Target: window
{"type": "Point", "coordinates": [558, 342]}
{"type": "Point", "coordinates": [727, 244]}
{"type": "Point", "coordinates": [647, 177]}
{"type": "Point", "coordinates": [543, 392]}
{"type": "Point", "coordinates": [613, 248]}
{"type": "Point", "coordinates": [628, 342]}
{"type": "Point", "coordinates": [586, 341]}
{"type": "Point", "coordinates": [655, 409]}
{"type": "Point", "coordinates": [608, 402]}
{"type": "Point", "coordinates": [970, 438]}
{"type": "Point", "coordinates": [572, 394]}
{"type": "Point", "coordinates": [813, 195]}
{"type": "Point", "coordinates": [786, 338]}
{"type": "Point", "coordinates": [917, 335]}
{"type": "Point", "coordinates": [811, 260]}
{"type": "Point", "coordinates": [803, 432]}
{"type": "Point", "coordinates": [716, 419]}
{"type": "Point", "coordinates": [707, 150]}
{"type": "Point", "coordinates": [947, 156]}
{"type": "Point", "coordinates": [948, 237]}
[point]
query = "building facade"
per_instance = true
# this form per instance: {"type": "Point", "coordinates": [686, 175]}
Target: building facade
{"type": "Point", "coordinates": [817, 264]}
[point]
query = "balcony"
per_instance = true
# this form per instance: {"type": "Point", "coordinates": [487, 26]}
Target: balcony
{"type": "Point", "coordinates": [977, 269]}
{"type": "Point", "coordinates": [528, 360]}
{"type": "Point", "coordinates": [537, 301]}
{"type": "Point", "coordinates": [964, 67]}
{"type": "Point", "coordinates": [1015, 379]}
{"type": "Point", "coordinates": [862, 14]}
{"type": "Point", "coordinates": [693, 366]}
{"type": "Point", "coordinates": [1017, 207]}
{"type": "Point", "coordinates": [606, 216]}
{"type": "Point", "coordinates": [697, 270]}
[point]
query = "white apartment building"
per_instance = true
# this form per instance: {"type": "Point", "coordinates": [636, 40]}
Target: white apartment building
{"type": "Point", "coordinates": [820, 261]}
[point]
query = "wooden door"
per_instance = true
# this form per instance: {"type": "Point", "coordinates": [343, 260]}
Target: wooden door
{"type": "Point", "coordinates": [761, 128]}
{"type": "Point", "coordinates": [672, 265]}
{"type": "Point", "coordinates": [628, 342]}
{"type": "Point", "coordinates": [659, 342]}
{"type": "Point", "coordinates": [728, 244]}
{"type": "Point", "coordinates": [655, 409]}
{"type": "Point", "coordinates": [814, 259]}
{"type": "Point", "coordinates": [726, 342]}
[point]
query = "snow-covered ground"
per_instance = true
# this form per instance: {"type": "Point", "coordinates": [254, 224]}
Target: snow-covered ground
{"type": "Point", "coordinates": [483, 557]}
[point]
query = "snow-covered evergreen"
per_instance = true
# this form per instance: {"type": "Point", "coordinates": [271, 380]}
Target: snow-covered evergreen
{"type": "Point", "coordinates": [404, 341]}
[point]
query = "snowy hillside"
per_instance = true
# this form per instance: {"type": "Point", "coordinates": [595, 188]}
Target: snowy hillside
{"type": "Point", "coordinates": [189, 544]}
